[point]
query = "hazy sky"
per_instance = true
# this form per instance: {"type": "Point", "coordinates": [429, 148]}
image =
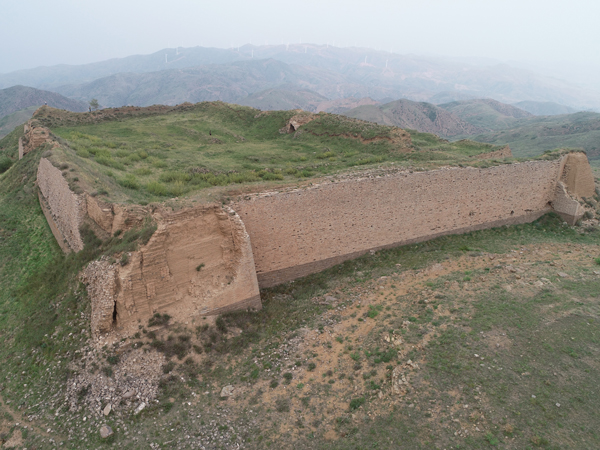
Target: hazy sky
{"type": "Point", "coordinates": [48, 32]}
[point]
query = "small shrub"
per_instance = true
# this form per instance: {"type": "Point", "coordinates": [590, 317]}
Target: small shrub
{"type": "Point", "coordinates": [130, 182]}
{"type": "Point", "coordinates": [156, 188]}
{"type": "Point", "coordinates": [373, 312]}
{"type": "Point", "coordinates": [221, 325]}
{"type": "Point", "coordinates": [597, 261]}
{"type": "Point", "coordinates": [142, 171]}
{"type": "Point", "coordinates": [288, 377]}
{"type": "Point", "coordinates": [311, 366]}
{"type": "Point", "coordinates": [357, 403]}
{"type": "Point", "coordinates": [282, 405]}
{"type": "Point", "coordinates": [168, 367]}
{"type": "Point", "coordinates": [493, 440]}
{"type": "Point", "coordinates": [5, 163]}
{"type": "Point", "coordinates": [124, 259]}
{"type": "Point", "coordinates": [199, 267]}
{"type": "Point", "coordinates": [274, 384]}
{"type": "Point", "coordinates": [158, 319]}
{"type": "Point", "coordinates": [113, 359]}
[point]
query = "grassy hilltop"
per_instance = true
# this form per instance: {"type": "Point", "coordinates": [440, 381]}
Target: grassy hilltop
{"type": "Point", "coordinates": [501, 327]}
{"type": "Point", "coordinates": [150, 154]}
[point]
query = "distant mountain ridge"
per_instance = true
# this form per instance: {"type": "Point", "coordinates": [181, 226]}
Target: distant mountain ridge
{"type": "Point", "coordinates": [360, 72]}
{"type": "Point", "coordinates": [534, 135]}
{"type": "Point", "coordinates": [544, 108]}
{"type": "Point", "coordinates": [282, 99]}
{"type": "Point", "coordinates": [420, 116]}
{"type": "Point", "coordinates": [486, 114]}
{"type": "Point", "coordinates": [18, 103]}
{"type": "Point", "coordinates": [16, 98]}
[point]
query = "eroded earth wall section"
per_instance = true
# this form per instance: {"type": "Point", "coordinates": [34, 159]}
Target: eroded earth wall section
{"type": "Point", "coordinates": [198, 262]}
{"type": "Point", "coordinates": [63, 209]}
{"type": "Point", "coordinates": [304, 231]}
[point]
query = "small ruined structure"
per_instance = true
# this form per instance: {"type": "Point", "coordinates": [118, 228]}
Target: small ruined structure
{"type": "Point", "coordinates": [35, 135]}
{"type": "Point", "coordinates": [211, 258]}
{"type": "Point", "coordinates": [295, 122]}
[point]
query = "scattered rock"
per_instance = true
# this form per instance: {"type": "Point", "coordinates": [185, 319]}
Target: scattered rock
{"type": "Point", "coordinates": [562, 275]}
{"type": "Point", "coordinates": [227, 391]}
{"type": "Point", "coordinates": [330, 299]}
{"type": "Point", "coordinates": [399, 381]}
{"type": "Point", "coordinates": [105, 431]}
{"type": "Point", "coordinates": [107, 409]}
{"type": "Point", "coordinates": [139, 409]}
{"type": "Point", "coordinates": [129, 394]}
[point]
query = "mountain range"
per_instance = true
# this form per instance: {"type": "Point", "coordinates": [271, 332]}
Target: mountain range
{"type": "Point", "coordinates": [18, 103]}
{"type": "Point", "coordinates": [234, 74]}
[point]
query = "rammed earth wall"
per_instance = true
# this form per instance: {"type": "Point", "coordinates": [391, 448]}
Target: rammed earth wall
{"type": "Point", "coordinates": [209, 259]}
{"type": "Point", "coordinates": [307, 230]}
{"type": "Point", "coordinates": [63, 209]}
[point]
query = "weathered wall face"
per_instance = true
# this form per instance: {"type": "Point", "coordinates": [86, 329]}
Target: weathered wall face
{"type": "Point", "coordinates": [300, 232]}
{"type": "Point", "coordinates": [61, 206]}
{"type": "Point", "coordinates": [198, 262]}
{"type": "Point", "coordinates": [577, 175]}
{"type": "Point", "coordinates": [112, 217]}
{"type": "Point", "coordinates": [34, 137]}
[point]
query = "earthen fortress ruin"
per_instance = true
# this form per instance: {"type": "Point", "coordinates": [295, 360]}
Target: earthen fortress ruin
{"type": "Point", "coordinates": [211, 259]}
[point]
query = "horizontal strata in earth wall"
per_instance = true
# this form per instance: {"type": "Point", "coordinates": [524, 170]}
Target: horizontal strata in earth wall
{"type": "Point", "coordinates": [304, 231]}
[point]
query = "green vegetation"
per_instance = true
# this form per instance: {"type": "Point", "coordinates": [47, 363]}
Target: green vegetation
{"type": "Point", "coordinates": [532, 136]}
{"type": "Point", "coordinates": [150, 157]}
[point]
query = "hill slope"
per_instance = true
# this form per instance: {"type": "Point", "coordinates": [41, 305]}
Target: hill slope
{"type": "Point", "coordinates": [486, 114]}
{"type": "Point", "coordinates": [535, 135]}
{"type": "Point", "coordinates": [282, 99]}
{"type": "Point", "coordinates": [8, 123]}
{"type": "Point", "coordinates": [226, 82]}
{"type": "Point", "coordinates": [16, 98]}
{"type": "Point", "coordinates": [420, 116]}
{"type": "Point", "coordinates": [286, 97]}
{"type": "Point", "coordinates": [544, 108]}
